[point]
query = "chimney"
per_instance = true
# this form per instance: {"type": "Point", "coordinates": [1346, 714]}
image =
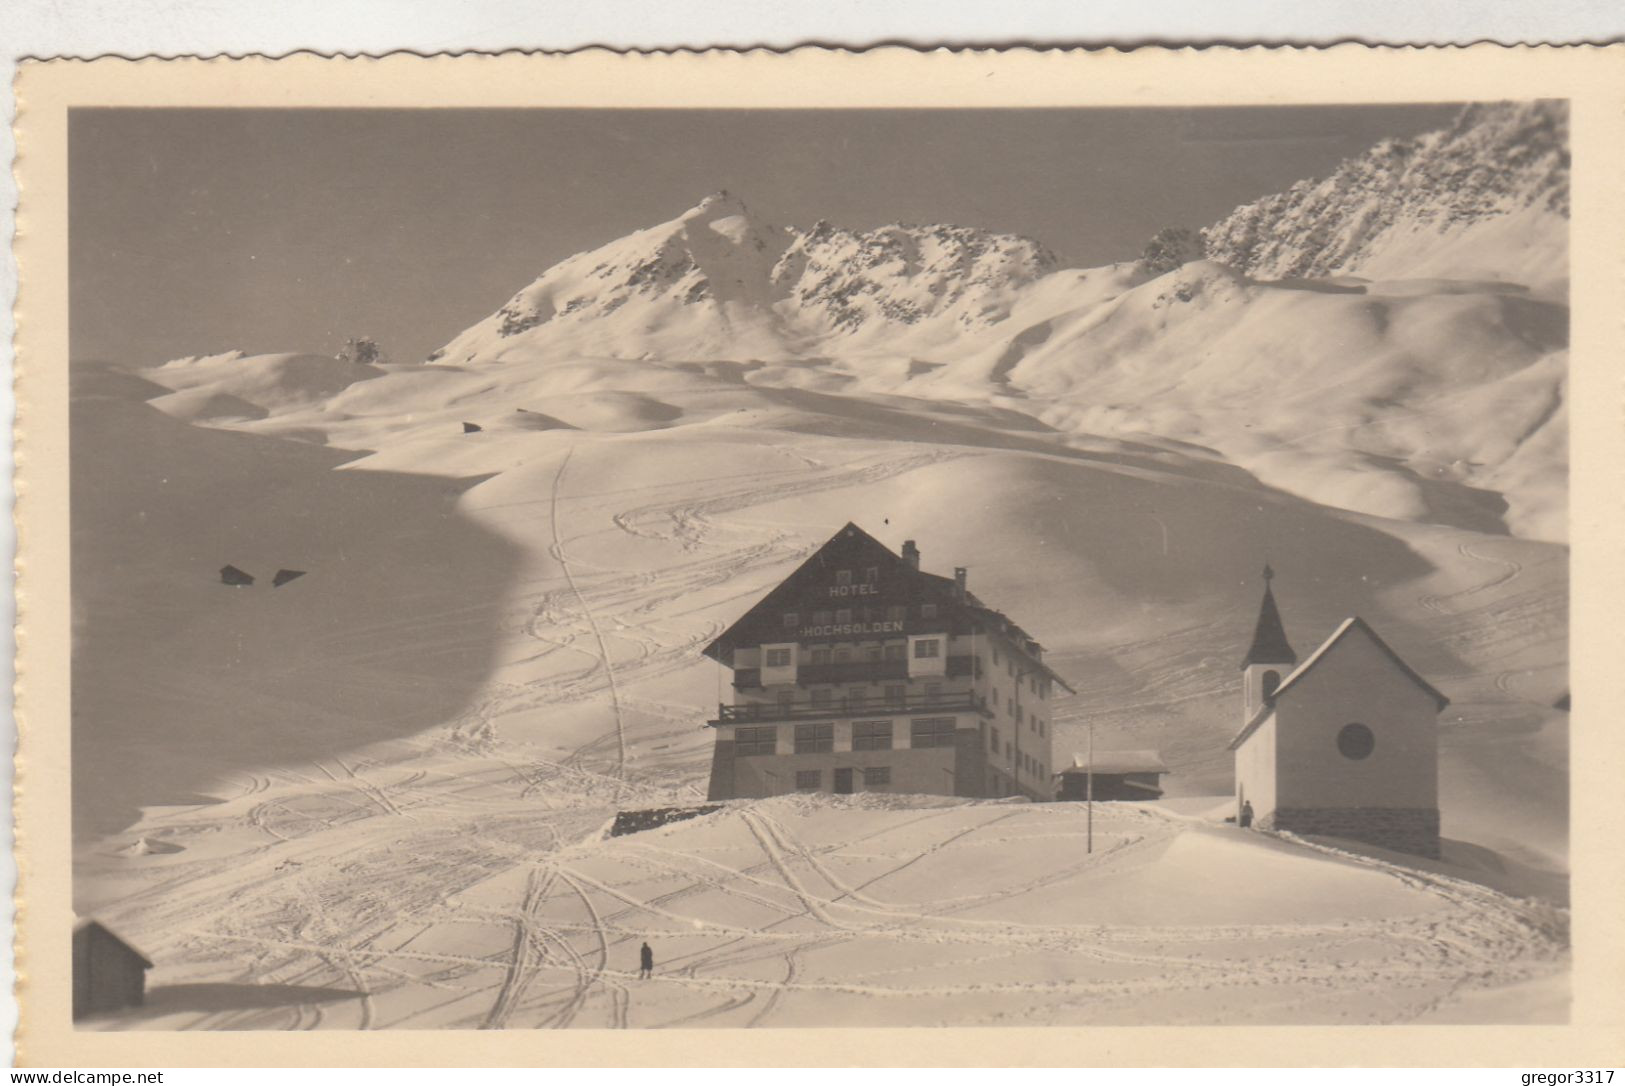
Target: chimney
{"type": "Point", "coordinates": [911, 554]}
{"type": "Point", "coordinates": [959, 583]}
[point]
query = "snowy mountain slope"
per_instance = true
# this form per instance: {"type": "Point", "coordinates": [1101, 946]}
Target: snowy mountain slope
{"type": "Point", "coordinates": [459, 909]}
{"type": "Point", "coordinates": [1422, 402]}
{"type": "Point", "coordinates": [673, 504]}
{"type": "Point", "coordinates": [496, 645]}
{"type": "Point", "coordinates": [1487, 197]}
{"type": "Point", "coordinates": [1430, 389]}
{"type": "Point", "coordinates": [716, 282]}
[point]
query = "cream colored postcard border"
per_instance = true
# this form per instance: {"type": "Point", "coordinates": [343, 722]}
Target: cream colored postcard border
{"type": "Point", "coordinates": [1593, 79]}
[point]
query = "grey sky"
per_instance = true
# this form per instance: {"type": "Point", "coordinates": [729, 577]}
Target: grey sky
{"type": "Point", "coordinates": [195, 231]}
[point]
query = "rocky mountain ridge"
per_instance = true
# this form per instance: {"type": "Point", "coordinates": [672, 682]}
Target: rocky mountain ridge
{"type": "Point", "coordinates": [1497, 161]}
{"type": "Point", "coordinates": [720, 274]}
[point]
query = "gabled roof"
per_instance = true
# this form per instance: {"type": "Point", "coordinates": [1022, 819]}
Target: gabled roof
{"type": "Point", "coordinates": [1270, 645]}
{"type": "Point", "coordinates": [852, 546]}
{"type": "Point", "coordinates": [849, 545]}
{"type": "Point", "coordinates": [97, 927]}
{"type": "Point", "coordinates": [1348, 625]}
{"type": "Point", "coordinates": [1119, 761]}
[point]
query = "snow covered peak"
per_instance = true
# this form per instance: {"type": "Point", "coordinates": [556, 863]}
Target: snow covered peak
{"type": "Point", "coordinates": [906, 274]}
{"type": "Point", "coordinates": [1469, 200]}
{"type": "Point", "coordinates": [720, 202]}
{"type": "Point", "coordinates": [719, 281]}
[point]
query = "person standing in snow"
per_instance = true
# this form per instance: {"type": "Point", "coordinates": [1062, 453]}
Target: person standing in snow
{"type": "Point", "coordinates": [648, 963]}
{"type": "Point", "coordinates": [1246, 814]}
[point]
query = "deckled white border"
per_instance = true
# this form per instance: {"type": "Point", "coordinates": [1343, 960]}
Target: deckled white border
{"type": "Point", "coordinates": [1593, 79]}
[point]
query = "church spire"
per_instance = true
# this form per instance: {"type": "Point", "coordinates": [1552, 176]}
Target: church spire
{"type": "Point", "coordinates": [1270, 645]}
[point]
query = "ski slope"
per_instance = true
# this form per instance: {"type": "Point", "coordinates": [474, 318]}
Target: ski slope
{"type": "Point", "coordinates": [466, 903]}
{"type": "Point", "coordinates": [374, 797]}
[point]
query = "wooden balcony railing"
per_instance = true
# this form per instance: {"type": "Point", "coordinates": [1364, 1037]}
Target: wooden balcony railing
{"type": "Point", "coordinates": [852, 671]}
{"type": "Point", "coordinates": [953, 701]}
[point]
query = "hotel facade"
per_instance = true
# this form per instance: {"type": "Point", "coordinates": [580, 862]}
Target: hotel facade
{"type": "Point", "coordinates": [861, 673]}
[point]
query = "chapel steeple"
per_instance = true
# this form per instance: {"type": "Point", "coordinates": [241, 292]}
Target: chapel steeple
{"type": "Point", "coordinates": [1270, 645]}
{"type": "Point", "coordinates": [1270, 657]}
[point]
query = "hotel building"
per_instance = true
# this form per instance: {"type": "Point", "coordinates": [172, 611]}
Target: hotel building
{"type": "Point", "coordinates": [861, 673]}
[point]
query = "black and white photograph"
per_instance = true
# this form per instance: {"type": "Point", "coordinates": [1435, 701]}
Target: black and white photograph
{"type": "Point", "coordinates": [711, 568]}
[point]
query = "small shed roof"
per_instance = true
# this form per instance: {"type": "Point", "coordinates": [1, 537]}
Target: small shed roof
{"type": "Point", "coordinates": [1119, 761]}
{"type": "Point", "coordinates": [96, 927]}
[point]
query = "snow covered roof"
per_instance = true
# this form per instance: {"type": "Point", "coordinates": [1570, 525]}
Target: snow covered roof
{"type": "Point", "coordinates": [1119, 761]}
{"type": "Point", "coordinates": [854, 546]}
{"type": "Point", "coordinates": [95, 927]}
{"type": "Point", "coordinates": [1354, 622]}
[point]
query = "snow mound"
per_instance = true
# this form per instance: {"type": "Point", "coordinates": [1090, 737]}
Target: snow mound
{"type": "Point", "coordinates": [272, 382]}
{"type": "Point", "coordinates": [150, 846]}
{"type": "Point", "coordinates": [206, 404]}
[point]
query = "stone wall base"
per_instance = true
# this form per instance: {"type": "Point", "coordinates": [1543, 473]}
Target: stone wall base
{"type": "Point", "coordinates": [1403, 829]}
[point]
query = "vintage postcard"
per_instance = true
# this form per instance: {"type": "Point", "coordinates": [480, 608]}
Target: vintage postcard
{"type": "Point", "coordinates": [954, 558]}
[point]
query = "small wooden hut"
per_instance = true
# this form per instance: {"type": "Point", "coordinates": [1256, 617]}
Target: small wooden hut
{"type": "Point", "coordinates": [108, 973]}
{"type": "Point", "coordinates": [1118, 774]}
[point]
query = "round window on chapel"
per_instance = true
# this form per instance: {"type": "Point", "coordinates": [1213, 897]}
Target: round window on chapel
{"type": "Point", "coordinates": [1356, 741]}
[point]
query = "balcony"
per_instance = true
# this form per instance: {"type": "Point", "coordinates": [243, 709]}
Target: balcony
{"type": "Point", "coordinates": [952, 701]}
{"type": "Point", "coordinates": [860, 671]}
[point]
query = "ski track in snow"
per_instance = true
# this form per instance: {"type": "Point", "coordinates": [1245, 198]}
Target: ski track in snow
{"type": "Point", "coordinates": [562, 964]}
{"type": "Point", "coordinates": [456, 878]}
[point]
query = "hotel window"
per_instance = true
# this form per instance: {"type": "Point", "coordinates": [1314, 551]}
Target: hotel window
{"type": "Point", "coordinates": [843, 615]}
{"type": "Point", "coordinates": [755, 740]}
{"type": "Point", "coordinates": [995, 697]}
{"type": "Point", "coordinates": [843, 576]}
{"type": "Point", "coordinates": [820, 656]}
{"type": "Point", "coordinates": [1020, 716]}
{"type": "Point", "coordinates": [821, 697]}
{"type": "Point", "coordinates": [927, 650]}
{"type": "Point", "coordinates": [1007, 748]}
{"type": "Point", "coordinates": [807, 780]}
{"type": "Point", "coordinates": [855, 698]}
{"type": "Point", "coordinates": [897, 613]}
{"type": "Point", "coordinates": [995, 656]}
{"type": "Point", "coordinates": [815, 738]}
{"type": "Point", "coordinates": [896, 652]}
{"type": "Point", "coordinates": [787, 700]}
{"type": "Point", "coordinates": [843, 654]}
{"type": "Point", "coordinates": [896, 695]}
{"type": "Point", "coordinates": [871, 735]}
{"type": "Point", "coordinates": [778, 658]}
{"type": "Point", "coordinates": [821, 618]}
{"type": "Point", "coordinates": [932, 731]}
{"type": "Point", "coordinates": [933, 693]}
{"type": "Point", "coordinates": [872, 654]}
{"type": "Point", "coordinates": [994, 735]}
{"type": "Point", "coordinates": [791, 619]}
{"type": "Point", "coordinates": [871, 575]}
{"type": "Point", "coordinates": [877, 776]}
{"type": "Point", "coordinates": [928, 610]}
{"type": "Point", "coordinates": [1041, 729]}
